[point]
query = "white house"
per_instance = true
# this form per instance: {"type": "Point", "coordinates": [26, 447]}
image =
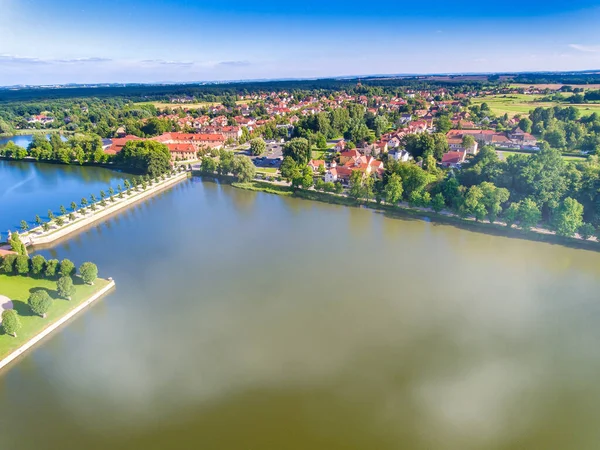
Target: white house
{"type": "Point", "coordinates": [400, 155]}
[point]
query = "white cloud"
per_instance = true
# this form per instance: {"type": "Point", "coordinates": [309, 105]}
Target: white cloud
{"type": "Point", "coordinates": [586, 48]}
{"type": "Point", "coordinates": [15, 59]}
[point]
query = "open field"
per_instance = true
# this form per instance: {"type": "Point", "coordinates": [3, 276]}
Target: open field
{"type": "Point", "coordinates": [503, 154]}
{"type": "Point", "coordinates": [555, 86]}
{"type": "Point", "coordinates": [267, 170]}
{"type": "Point", "coordinates": [18, 288]}
{"type": "Point", "coordinates": [162, 105]}
{"type": "Point", "coordinates": [513, 104]}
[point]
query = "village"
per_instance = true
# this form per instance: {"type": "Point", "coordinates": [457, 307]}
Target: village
{"type": "Point", "coordinates": [277, 116]}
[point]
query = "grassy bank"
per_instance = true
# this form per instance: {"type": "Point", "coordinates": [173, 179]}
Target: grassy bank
{"type": "Point", "coordinates": [262, 186]}
{"type": "Point", "coordinates": [18, 289]}
{"type": "Point", "coordinates": [417, 213]}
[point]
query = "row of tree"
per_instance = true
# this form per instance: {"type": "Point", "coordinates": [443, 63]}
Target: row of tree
{"type": "Point", "coordinates": [104, 198]}
{"type": "Point", "coordinates": [40, 300]}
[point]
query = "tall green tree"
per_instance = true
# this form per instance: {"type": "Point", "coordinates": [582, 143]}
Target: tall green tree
{"type": "Point", "coordinates": [569, 217]}
{"type": "Point", "coordinates": [88, 272]}
{"type": "Point", "coordinates": [393, 189]}
{"type": "Point", "coordinates": [299, 150]}
{"type": "Point", "coordinates": [258, 146]}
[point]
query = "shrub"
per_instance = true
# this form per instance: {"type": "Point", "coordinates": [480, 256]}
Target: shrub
{"type": "Point", "coordinates": [40, 302]}
{"type": "Point", "coordinates": [88, 272]}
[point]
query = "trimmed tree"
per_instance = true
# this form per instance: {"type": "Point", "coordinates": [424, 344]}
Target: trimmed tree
{"type": "Point", "coordinates": [67, 268]}
{"type": "Point", "coordinates": [51, 268]}
{"type": "Point", "coordinates": [8, 263]}
{"type": "Point", "coordinates": [65, 287]}
{"type": "Point", "coordinates": [88, 272]}
{"type": "Point", "coordinates": [38, 263]}
{"type": "Point", "coordinates": [11, 322]}
{"type": "Point", "coordinates": [40, 302]}
{"type": "Point", "coordinates": [22, 265]}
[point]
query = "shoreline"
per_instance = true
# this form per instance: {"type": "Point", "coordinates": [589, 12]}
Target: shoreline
{"type": "Point", "coordinates": [495, 229]}
{"type": "Point", "coordinates": [30, 239]}
{"type": "Point", "coordinates": [55, 325]}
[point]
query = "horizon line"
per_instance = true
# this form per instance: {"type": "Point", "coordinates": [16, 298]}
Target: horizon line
{"type": "Point", "coordinates": [333, 77]}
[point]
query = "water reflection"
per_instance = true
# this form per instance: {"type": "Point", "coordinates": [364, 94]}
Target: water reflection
{"type": "Point", "coordinates": [338, 327]}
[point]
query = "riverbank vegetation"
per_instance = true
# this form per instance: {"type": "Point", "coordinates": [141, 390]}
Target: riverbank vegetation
{"type": "Point", "coordinates": [541, 192]}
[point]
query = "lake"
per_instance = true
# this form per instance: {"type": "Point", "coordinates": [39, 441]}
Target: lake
{"type": "Point", "coordinates": [244, 320]}
{"type": "Point", "coordinates": [28, 188]}
{"type": "Point", "coordinates": [23, 140]}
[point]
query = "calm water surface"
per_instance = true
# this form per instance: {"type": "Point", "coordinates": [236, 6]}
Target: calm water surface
{"type": "Point", "coordinates": [23, 140]}
{"type": "Point", "coordinates": [244, 320]}
{"type": "Point", "coordinates": [27, 189]}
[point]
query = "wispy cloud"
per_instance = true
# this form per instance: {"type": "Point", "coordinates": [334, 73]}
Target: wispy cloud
{"type": "Point", "coordinates": [586, 48]}
{"type": "Point", "coordinates": [233, 63]}
{"type": "Point", "coordinates": [20, 60]}
{"type": "Point", "coordinates": [162, 62]}
{"type": "Point", "coordinates": [81, 60]}
{"type": "Point", "coordinates": [15, 59]}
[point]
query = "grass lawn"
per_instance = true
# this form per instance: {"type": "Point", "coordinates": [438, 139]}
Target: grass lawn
{"type": "Point", "coordinates": [260, 186]}
{"type": "Point", "coordinates": [513, 104]}
{"type": "Point", "coordinates": [507, 153]}
{"type": "Point", "coordinates": [269, 170]}
{"type": "Point", "coordinates": [319, 154]}
{"type": "Point", "coordinates": [18, 288]}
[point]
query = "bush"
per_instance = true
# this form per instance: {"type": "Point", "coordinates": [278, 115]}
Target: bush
{"type": "Point", "coordinates": [10, 322]}
{"type": "Point", "coordinates": [65, 287]}
{"type": "Point", "coordinates": [22, 265]}
{"type": "Point", "coordinates": [88, 272]}
{"type": "Point", "coordinates": [40, 302]}
{"type": "Point", "coordinates": [51, 268]}
{"type": "Point", "coordinates": [67, 268]}
{"type": "Point", "coordinates": [38, 264]}
{"type": "Point", "coordinates": [8, 263]}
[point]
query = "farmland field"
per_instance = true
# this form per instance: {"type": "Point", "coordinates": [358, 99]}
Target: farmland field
{"type": "Point", "coordinates": [513, 104]}
{"type": "Point", "coordinates": [162, 105]}
{"type": "Point", "coordinates": [555, 86]}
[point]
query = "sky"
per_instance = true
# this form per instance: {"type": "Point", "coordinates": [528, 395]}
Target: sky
{"type": "Point", "coordinates": [128, 41]}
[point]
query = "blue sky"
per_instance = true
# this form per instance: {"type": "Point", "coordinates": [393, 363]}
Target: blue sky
{"type": "Point", "coordinates": [87, 41]}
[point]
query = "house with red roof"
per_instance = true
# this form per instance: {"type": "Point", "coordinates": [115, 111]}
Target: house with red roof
{"type": "Point", "coordinates": [316, 164]}
{"type": "Point", "coordinates": [454, 158]}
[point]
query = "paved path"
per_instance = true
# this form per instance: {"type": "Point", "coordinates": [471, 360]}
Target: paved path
{"type": "Point", "coordinates": [5, 303]}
